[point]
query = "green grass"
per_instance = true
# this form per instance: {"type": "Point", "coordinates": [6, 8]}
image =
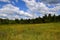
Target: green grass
{"type": "Point", "coordinates": [47, 31]}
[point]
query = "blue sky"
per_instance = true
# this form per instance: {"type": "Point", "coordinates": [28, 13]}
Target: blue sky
{"type": "Point", "coordinates": [17, 9]}
{"type": "Point", "coordinates": [19, 4]}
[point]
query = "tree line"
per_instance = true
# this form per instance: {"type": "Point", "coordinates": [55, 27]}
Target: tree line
{"type": "Point", "coordinates": [44, 19]}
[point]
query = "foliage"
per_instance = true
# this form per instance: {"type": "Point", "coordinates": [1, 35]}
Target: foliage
{"type": "Point", "coordinates": [44, 19]}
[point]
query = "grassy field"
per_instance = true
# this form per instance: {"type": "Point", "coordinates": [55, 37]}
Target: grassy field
{"type": "Point", "coordinates": [47, 31]}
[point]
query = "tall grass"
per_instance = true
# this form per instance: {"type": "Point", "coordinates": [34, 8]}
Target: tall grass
{"type": "Point", "coordinates": [47, 31]}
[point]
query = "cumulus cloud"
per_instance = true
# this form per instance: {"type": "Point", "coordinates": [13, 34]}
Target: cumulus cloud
{"type": "Point", "coordinates": [9, 1]}
{"type": "Point", "coordinates": [16, 0]}
{"type": "Point", "coordinates": [12, 12]}
{"type": "Point", "coordinates": [51, 1]}
{"type": "Point", "coordinates": [5, 0]}
{"type": "Point", "coordinates": [34, 7]}
{"type": "Point", "coordinates": [41, 7]}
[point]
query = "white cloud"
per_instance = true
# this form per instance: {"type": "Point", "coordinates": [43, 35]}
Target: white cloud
{"type": "Point", "coordinates": [5, 0]}
{"type": "Point", "coordinates": [16, 0]}
{"type": "Point", "coordinates": [9, 10]}
{"type": "Point", "coordinates": [9, 1]}
{"type": "Point", "coordinates": [12, 12]}
{"type": "Point", "coordinates": [51, 1]}
{"type": "Point", "coordinates": [41, 7]}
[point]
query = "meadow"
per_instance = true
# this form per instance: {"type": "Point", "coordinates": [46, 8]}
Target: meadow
{"type": "Point", "coordinates": [45, 31]}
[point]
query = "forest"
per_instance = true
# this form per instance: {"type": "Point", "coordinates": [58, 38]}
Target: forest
{"type": "Point", "coordinates": [44, 19]}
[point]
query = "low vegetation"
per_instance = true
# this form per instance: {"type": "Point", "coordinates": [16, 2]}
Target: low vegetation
{"type": "Point", "coordinates": [47, 31]}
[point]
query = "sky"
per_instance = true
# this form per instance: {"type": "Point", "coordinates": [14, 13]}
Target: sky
{"type": "Point", "coordinates": [28, 9]}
